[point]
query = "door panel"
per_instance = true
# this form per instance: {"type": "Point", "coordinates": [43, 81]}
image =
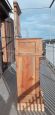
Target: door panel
{"type": "Point", "coordinates": [28, 53]}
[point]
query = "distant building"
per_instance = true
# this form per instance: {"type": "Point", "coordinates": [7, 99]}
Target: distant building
{"type": "Point", "coordinates": [50, 50]}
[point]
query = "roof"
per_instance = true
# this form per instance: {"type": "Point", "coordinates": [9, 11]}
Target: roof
{"type": "Point", "coordinates": [52, 41]}
{"type": "Point", "coordinates": [5, 8]}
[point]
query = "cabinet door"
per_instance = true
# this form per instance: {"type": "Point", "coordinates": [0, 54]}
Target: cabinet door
{"type": "Point", "coordinates": [28, 71]}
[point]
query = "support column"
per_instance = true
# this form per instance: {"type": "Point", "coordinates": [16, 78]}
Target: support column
{"type": "Point", "coordinates": [17, 13]}
{"type": "Point", "coordinates": [0, 51]}
{"type": "Point", "coordinates": [4, 40]}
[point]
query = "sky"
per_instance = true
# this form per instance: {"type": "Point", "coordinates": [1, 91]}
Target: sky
{"type": "Point", "coordinates": [37, 20]}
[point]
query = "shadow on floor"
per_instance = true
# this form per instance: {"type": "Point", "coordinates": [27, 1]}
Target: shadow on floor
{"type": "Point", "coordinates": [8, 107]}
{"type": "Point", "coordinates": [28, 91]}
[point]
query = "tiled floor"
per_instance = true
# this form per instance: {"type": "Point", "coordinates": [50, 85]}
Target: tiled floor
{"type": "Point", "coordinates": [8, 94]}
{"type": "Point", "coordinates": [47, 78]}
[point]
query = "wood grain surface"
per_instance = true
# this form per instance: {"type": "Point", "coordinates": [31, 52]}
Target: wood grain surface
{"type": "Point", "coordinates": [28, 53]}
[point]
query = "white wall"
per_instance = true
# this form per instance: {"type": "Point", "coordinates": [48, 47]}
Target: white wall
{"type": "Point", "coordinates": [50, 53]}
